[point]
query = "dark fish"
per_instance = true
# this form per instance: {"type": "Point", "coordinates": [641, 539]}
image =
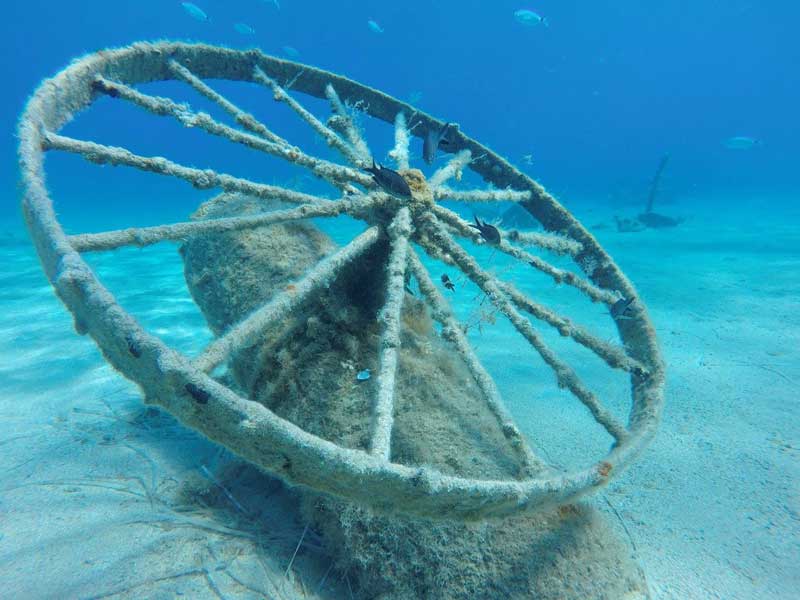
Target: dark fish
{"type": "Point", "coordinates": [621, 306]}
{"type": "Point", "coordinates": [432, 141]}
{"type": "Point", "coordinates": [390, 181]}
{"type": "Point", "coordinates": [448, 283]}
{"type": "Point", "coordinates": [488, 232]}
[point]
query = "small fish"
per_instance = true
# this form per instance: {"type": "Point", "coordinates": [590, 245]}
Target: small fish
{"type": "Point", "coordinates": [448, 283]}
{"type": "Point", "coordinates": [621, 306]}
{"type": "Point", "coordinates": [374, 27]}
{"type": "Point", "coordinates": [195, 11]}
{"type": "Point", "coordinates": [363, 375]}
{"type": "Point", "coordinates": [488, 232]}
{"type": "Point", "coordinates": [529, 18]}
{"type": "Point", "coordinates": [290, 51]}
{"type": "Point", "coordinates": [390, 181]}
{"type": "Point", "coordinates": [275, 3]}
{"type": "Point", "coordinates": [527, 159]}
{"type": "Point", "coordinates": [244, 29]}
{"type": "Point", "coordinates": [432, 140]}
{"type": "Point", "coordinates": [741, 142]}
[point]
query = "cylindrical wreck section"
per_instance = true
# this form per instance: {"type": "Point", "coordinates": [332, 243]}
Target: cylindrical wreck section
{"type": "Point", "coordinates": [306, 369]}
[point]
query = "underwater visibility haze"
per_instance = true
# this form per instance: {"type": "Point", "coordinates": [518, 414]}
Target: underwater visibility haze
{"type": "Point", "coordinates": [442, 300]}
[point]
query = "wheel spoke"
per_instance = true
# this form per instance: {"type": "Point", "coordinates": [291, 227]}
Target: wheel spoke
{"type": "Point", "coordinates": [327, 134]}
{"type": "Point", "coordinates": [244, 119]}
{"type": "Point", "coordinates": [446, 193]}
{"type": "Point", "coordinates": [389, 317]}
{"type": "Point", "coordinates": [146, 236]}
{"type": "Point", "coordinates": [565, 375]}
{"type": "Point", "coordinates": [201, 179]}
{"type": "Point", "coordinates": [613, 355]}
{"type": "Point", "coordinates": [338, 175]}
{"type": "Point", "coordinates": [595, 293]}
{"type": "Point", "coordinates": [550, 241]}
{"type": "Point", "coordinates": [348, 126]}
{"type": "Point", "coordinates": [452, 331]}
{"type": "Point", "coordinates": [247, 331]}
{"type": "Point", "coordinates": [554, 243]}
{"type": "Point", "coordinates": [401, 142]}
{"type": "Point", "coordinates": [453, 168]}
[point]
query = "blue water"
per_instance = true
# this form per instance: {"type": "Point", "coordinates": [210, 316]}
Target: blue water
{"type": "Point", "coordinates": [596, 98]}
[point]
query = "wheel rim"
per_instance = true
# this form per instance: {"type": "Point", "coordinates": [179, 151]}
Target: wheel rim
{"type": "Point", "coordinates": [184, 388]}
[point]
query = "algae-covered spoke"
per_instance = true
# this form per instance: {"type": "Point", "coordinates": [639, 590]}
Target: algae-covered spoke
{"type": "Point", "coordinates": [561, 275]}
{"type": "Point", "coordinates": [555, 243]}
{"type": "Point", "coordinates": [383, 417]}
{"type": "Point", "coordinates": [446, 193]}
{"type": "Point", "coordinates": [338, 175]}
{"type": "Point", "coordinates": [613, 355]}
{"type": "Point", "coordinates": [247, 331]}
{"type": "Point", "coordinates": [452, 331]}
{"type": "Point", "coordinates": [565, 375]}
{"type": "Point", "coordinates": [146, 236]}
{"type": "Point", "coordinates": [552, 242]}
{"type": "Point", "coordinates": [454, 167]}
{"type": "Point", "coordinates": [327, 134]}
{"type": "Point", "coordinates": [243, 118]}
{"type": "Point", "coordinates": [401, 142]}
{"type": "Point", "coordinates": [201, 179]}
{"type": "Point", "coordinates": [344, 120]}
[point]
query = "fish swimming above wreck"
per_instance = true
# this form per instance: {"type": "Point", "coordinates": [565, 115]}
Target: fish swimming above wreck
{"type": "Point", "coordinates": [488, 232]}
{"type": "Point", "coordinates": [195, 12]}
{"type": "Point", "coordinates": [529, 18]}
{"type": "Point", "coordinates": [389, 180]}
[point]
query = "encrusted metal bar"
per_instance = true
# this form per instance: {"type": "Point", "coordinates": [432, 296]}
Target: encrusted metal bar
{"type": "Point", "coordinates": [201, 179]}
{"type": "Point", "coordinates": [338, 175]}
{"type": "Point", "coordinates": [452, 331]}
{"type": "Point", "coordinates": [554, 243]}
{"type": "Point", "coordinates": [401, 142]}
{"type": "Point", "coordinates": [389, 317]}
{"type": "Point", "coordinates": [565, 375]}
{"type": "Point", "coordinates": [561, 275]}
{"type": "Point", "coordinates": [453, 168]}
{"type": "Point", "coordinates": [352, 133]}
{"type": "Point", "coordinates": [248, 330]}
{"type": "Point", "coordinates": [548, 241]}
{"type": "Point", "coordinates": [613, 355]}
{"type": "Point", "coordinates": [145, 236]}
{"type": "Point", "coordinates": [243, 118]}
{"type": "Point", "coordinates": [446, 193]}
{"type": "Point", "coordinates": [330, 136]}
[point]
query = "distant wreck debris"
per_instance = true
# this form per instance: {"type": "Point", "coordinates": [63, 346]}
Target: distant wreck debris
{"type": "Point", "coordinates": [649, 219]}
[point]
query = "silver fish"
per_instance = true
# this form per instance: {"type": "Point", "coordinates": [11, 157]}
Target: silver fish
{"type": "Point", "coordinates": [529, 18]}
{"type": "Point", "coordinates": [195, 11]}
{"type": "Point", "coordinates": [244, 29]}
{"type": "Point", "coordinates": [740, 142]}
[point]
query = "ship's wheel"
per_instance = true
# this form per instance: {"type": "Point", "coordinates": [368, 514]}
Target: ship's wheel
{"type": "Point", "coordinates": [414, 218]}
